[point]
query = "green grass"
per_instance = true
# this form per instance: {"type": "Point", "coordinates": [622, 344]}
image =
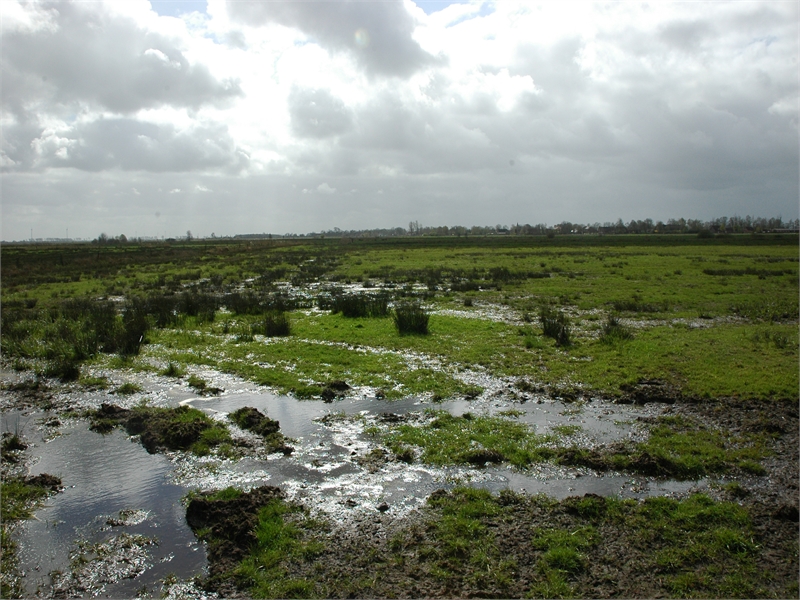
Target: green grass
{"type": "Point", "coordinates": [729, 359]}
{"type": "Point", "coordinates": [695, 547]}
{"type": "Point", "coordinates": [18, 500]}
{"type": "Point", "coordinates": [471, 440]}
{"type": "Point", "coordinates": [679, 448]}
{"type": "Point", "coordinates": [647, 278]}
{"type": "Point", "coordinates": [563, 557]}
{"type": "Point", "coordinates": [676, 447]}
{"type": "Point", "coordinates": [263, 572]}
{"type": "Point", "coordinates": [462, 541]}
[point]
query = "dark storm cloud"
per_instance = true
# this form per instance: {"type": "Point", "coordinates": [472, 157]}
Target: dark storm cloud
{"type": "Point", "coordinates": [377, 34]}
{"type": "Point", "coordinates": [101, 60]}
{"type": "Point", "coordinates": [130, 145]}
{"type": "Point", "coordinates": [317, 114]}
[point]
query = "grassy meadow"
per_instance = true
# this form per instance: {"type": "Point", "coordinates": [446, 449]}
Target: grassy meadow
{"type": "Point", "coordinates": [711, 317]}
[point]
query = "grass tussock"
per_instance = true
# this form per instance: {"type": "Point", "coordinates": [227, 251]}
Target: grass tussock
{"type": "Point", "coordinates": [613, 331]}
{"type": "Point", "coordinates": [555, 325]}
{"type": "Point", "coordinates": [274, 323]}
{"type": "Point", "coordinates": [181, 428]}
{"type": "Point", "coordinates": [471, 439]}
{"type": "Point", "coordinates": [410, 319]}
{"type": "Point", "coordinates": [252, 419]}
{"type": "Point", "coordinates": [360, 305]}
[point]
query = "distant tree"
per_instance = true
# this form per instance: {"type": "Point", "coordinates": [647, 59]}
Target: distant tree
{"type": "Point", "coordinates": [189, 235]}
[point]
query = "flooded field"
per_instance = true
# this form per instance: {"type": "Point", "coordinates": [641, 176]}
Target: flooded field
{"type": "Point", "coordinates": [543, 426]}
{"type": "Point", "coordinates": [115, 490]}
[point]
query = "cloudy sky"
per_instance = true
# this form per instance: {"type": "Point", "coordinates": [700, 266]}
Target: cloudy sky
{"type": "Point", "coordinates": [151, 118]}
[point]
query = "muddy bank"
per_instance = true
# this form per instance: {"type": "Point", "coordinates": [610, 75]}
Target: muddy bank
{"type": "Point", "coordinates": [228, 526]}
{"type": "Point", "coordinates": [737, 540]}
{"type": "Point", "coordinates": [468, 543]}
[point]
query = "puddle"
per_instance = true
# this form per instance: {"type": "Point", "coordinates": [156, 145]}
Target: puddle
{"type": "Point", "coordinates": [112, 488]}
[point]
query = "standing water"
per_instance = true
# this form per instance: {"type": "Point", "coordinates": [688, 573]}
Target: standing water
{"type": "Point", "coordinates": [118, 495]}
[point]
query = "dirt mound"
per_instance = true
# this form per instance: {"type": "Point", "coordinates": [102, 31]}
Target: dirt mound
{"type": "Point", "coordinates": [334, 389]}
{"type": "Point", "coordinates": [650, 390]}
{"type": "Point", "coordinates": [45, 480]}
{"type": "Point", "coordinates": [253, 420]}
{"type": "Point", "coordinates": [483, 456]}
{"type": "Point", "coordinates": [159, 429]}
{"type": "Point", "coordinates": [229, 522]}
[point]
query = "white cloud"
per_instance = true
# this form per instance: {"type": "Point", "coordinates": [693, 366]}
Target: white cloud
{"type": "Point", "coordinates": [606, 110]}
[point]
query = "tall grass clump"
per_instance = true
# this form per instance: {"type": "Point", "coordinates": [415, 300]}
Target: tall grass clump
{"type": "Point", "coordinates": [555, 324]}
{"type": "Point", "coordinates": [163, 309]}
{"type": "Point", "coordinates": [410, 318]}
{"type": "Point", "coordinates": [614, 331]}
{"type": "Point", "coordinates": [200, 305]}
{"type": "Point", "coordinates": [360, 305]}
{"type": "Point", "coordinates": [135, 326]}
{"type": "Point", "coordinates": [274, 323]}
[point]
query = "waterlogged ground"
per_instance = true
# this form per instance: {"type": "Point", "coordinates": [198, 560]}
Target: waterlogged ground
{"type": "Point", "coordinates": [650, 450]}
{"type": "Point", "coordinates": [118, 528]}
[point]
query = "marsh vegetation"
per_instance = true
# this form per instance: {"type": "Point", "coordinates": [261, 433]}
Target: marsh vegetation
{"type": "Point", "coordinates": [703, 329]}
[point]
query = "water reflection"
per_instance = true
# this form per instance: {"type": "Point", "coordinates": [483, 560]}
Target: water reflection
{"type": "Point", "coordinates": [103, 475]}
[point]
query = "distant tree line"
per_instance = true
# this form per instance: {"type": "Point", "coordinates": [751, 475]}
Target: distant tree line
{"type": "Point", "coordinates": [723, 225]}
{"type": "Point", "coordinates": [720, 225]}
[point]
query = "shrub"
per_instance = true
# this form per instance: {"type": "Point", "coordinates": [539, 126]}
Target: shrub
{"type": "Point", "coordinates": [614, 331]}
{"type": "Point", "coordinates": [410, 318]}
{"type": "Point", "coordinates": [555, 324]}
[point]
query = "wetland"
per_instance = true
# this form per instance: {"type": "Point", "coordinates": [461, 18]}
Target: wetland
{"type": "Point", "coordinates": [510, 416]}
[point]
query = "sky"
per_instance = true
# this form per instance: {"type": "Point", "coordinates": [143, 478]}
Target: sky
{"type": "Point", "coordinates": [154, 118]}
